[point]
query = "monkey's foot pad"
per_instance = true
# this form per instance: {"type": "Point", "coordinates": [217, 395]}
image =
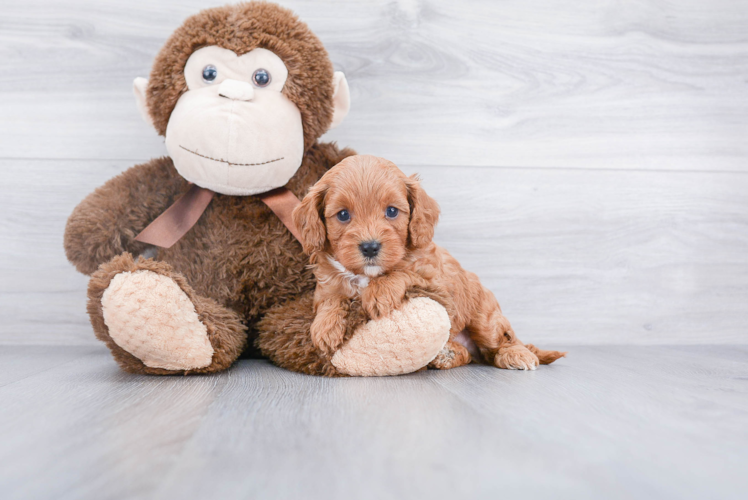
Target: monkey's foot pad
{"type": "Point", "coordinates": [150, 317]}
{"type": "Point", "coordinates": [403, 342]}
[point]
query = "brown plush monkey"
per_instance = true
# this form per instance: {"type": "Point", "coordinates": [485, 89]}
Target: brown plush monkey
{"type": "Point", "coordinates": [241, 95]}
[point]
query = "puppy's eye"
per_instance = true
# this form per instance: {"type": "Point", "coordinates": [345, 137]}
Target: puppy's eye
{"type": "Point", "coordinates": [344, 216]}
{"type": "Point", "coordinates": [261, 78]}
{"type": "Point", "coordinates": [210, 73]}
{"type": "Point", "coordinates": [391, 212]}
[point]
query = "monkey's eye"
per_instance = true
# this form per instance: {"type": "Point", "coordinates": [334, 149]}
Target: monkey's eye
{"type": "Point", "coordinates": [261, 77]}
{"type": "Point", "coordinates": [391, 212]}
{"type": "Point", "coordinates": [343, 216]}
{"type": "Point", "coordinates": [210, 73]}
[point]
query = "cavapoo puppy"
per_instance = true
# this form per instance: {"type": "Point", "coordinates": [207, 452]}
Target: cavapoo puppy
{"type": "Point", "coordinates": [368, 229]}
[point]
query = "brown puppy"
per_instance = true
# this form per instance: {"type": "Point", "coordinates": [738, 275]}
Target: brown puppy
{"type": "Point", "coordinates": [368, 229]}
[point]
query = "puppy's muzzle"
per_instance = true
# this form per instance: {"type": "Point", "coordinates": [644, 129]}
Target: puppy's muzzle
{"type": "Point", "coordinates": [370, 249]}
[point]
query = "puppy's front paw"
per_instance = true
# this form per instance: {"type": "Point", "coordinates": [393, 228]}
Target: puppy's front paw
{"type": "Point", "coordinates": [380, 301]}
{"type": "Point", "coordinates": [327, 336]}
{"type": "Point", "coordinates": [516, 357]}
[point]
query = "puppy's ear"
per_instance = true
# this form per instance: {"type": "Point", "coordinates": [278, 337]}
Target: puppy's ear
{"type": "Point", "coordinates": [308, 219]}
{"type": "Point", "coordinates": [424, 214]}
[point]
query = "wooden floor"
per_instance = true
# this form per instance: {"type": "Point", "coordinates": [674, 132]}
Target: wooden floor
{"type": "Point", "coordinates": [607, 422]}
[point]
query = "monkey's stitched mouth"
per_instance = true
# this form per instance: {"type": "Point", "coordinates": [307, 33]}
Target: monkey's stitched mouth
{"type": "Point", "coordinates": [231, 163]}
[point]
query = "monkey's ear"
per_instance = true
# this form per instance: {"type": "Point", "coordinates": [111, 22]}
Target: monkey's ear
{"type": "Point", "coordinates": [341, 99]}
{"type": "Point", "coordinates": [139, 86]}
{"type": "Point", "coordinates": [308, 219]}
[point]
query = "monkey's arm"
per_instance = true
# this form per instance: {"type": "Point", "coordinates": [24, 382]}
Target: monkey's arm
{"type": "Point", "coordinates": [107, 221]}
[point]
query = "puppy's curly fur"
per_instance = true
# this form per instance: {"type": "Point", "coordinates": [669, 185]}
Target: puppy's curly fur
{"type": "Point", "coordinates": [368, 229]}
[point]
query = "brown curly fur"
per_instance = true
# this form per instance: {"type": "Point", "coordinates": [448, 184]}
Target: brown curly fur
{"type": "Point", "coordinates": [366, 187]}
{"type": "Point", "coordinates": [239, 260]}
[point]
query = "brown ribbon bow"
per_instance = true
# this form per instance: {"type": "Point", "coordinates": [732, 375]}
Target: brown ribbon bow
{"type": "Point", "coordinates": [179, 218]}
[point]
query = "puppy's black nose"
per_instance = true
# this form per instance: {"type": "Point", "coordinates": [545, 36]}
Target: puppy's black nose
{"type": "Point", "coordinates": [370, 249]}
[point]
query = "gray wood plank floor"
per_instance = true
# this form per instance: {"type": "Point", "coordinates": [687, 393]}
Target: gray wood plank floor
{"type": "Point", "coordinates": [607, 422]}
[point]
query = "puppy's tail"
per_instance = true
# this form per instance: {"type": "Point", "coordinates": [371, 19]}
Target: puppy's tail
{"type": "Point", "coordinates": [545, 357]}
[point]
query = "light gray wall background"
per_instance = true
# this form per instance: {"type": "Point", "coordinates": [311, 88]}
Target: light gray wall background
{"type": "Point", "coordinates": [590, 158]}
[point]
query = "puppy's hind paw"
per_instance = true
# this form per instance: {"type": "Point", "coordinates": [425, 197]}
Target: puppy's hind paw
{"type": "Point", "coordinates": [516, 357]}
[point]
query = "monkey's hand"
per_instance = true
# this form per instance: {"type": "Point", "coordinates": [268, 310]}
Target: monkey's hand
{"type": "Point", "coordinates": [107, 221]}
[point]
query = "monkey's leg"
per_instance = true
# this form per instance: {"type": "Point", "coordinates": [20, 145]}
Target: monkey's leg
{"type": "Point", "coordinates": [155, 323]}
{"type": "Point", "coordinates": [406, 340]}
{"type": "Point", "coordinates": [403, 342]}
{"type": "Point", "coordinates": [284, 336]}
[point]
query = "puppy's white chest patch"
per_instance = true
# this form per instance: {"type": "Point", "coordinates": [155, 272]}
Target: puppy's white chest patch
{"type": "Point", "coordinates": [356, 282]}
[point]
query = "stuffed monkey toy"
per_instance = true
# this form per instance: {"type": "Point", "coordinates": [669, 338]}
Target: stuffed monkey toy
{"type": "Point", "coordinates": [189, 256]}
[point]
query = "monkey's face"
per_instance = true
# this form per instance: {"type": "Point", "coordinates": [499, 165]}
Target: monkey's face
{"type": "Point", "coordinates": [240, 124]}
{"type": "Point", "coordinates": [233, 131]}
{"type": "Point", "coordinates": [239, 113]}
